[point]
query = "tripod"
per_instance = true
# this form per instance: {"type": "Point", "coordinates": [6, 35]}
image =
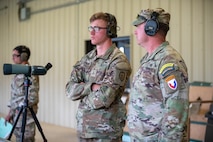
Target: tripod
{"type": "Point", "coordinates": [23, 109]}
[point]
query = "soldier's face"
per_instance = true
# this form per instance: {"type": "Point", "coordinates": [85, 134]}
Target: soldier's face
{"type": "Point", "coordinates": [140, 34]}
{"type": "Point", "coordinates": [16, 57]}
{"type": "Point", "coordinates": [98, 36]}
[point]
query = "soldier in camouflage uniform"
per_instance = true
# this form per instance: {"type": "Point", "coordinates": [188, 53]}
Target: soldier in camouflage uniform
{"type": "Point", "coordinates": [98, 80]}
{"type": "Point", "coordinates": [158, 106]}
{"type": "Point", "coordinates": [21, 54]}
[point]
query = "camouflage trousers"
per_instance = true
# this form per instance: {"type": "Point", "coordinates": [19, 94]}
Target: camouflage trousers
{"type": "Point", "coordinates": [29, 134]}
{"type": "Point", "coordinates": [99, 140]}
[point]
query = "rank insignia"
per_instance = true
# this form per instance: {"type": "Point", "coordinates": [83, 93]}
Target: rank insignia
{"type": "Point", "coordinates": [172, 82]}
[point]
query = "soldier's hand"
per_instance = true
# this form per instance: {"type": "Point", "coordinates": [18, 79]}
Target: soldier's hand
{"type": "Point", "coordinates": [8, 118]}
{"type": "Point", "coordinates": [95, 87]}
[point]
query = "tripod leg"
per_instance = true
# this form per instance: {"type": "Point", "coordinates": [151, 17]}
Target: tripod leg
{"type": "Point", "coordinates": [37, 124]}
{"type": "Point", "coordinates": [23, 123]}
{"type": "Point", "coordinates": [15, 123]}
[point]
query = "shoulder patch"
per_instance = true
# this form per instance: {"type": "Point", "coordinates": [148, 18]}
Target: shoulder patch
{"type": "Point", "coordinates": [122, 76]}
{"type": "Point", "coordinates": [172, 82]}
{"type": "Point", "coordinates": [166, 68]}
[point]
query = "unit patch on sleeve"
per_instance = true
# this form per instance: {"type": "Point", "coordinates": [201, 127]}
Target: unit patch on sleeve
{"type": "Point", "coordinates": [171, 82]}
{"type": "Point", "coordinates": [122, 76]}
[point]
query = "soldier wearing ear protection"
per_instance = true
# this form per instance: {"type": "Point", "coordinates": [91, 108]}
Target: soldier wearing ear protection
{"type": "Point", "coordinates": [24, 52]}
{"type": "Point", "coordinates": [98, 80]}
{"type": "Point", "coordinates": [21, 55]}
{"type": "Point", "coordinates": [158, 105]}
{"type": "Point", "coordinates": [154, 21]}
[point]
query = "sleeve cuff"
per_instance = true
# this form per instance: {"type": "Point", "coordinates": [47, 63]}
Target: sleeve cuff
{"type": "Point", "coordinates": [87, 88]}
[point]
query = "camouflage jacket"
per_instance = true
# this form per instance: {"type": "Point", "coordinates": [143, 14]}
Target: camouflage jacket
{"type": "Point", "coordinates": [18, 96]}
{"type": "Point", "coordinates": [158, 106]}
{"type": "Point", "coordinates": [101, 113]}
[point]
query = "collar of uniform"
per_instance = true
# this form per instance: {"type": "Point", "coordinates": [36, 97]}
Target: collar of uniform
{"type": "Point", "coordinates": [147, 56]}
{"type": "Point", "coordinates": [164, 44]}
{"type": "Point", "coordinates": [108, 52]}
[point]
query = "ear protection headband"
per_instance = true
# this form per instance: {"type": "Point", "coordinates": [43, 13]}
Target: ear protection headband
{"type": "Point", "coordinates": [152, 25]}
{"type": "Point", "coordinates": [112, 26]}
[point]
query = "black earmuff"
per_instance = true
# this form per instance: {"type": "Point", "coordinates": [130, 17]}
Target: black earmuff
{"type": "Point", "coordinates": [152, 25]}
{"type": "Point", "coordinates": [24, 53]}
{"type": "Point", "coordinates": [112, 26]}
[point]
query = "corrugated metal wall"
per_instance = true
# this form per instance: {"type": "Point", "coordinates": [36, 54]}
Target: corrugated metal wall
{"type": "Point", "coordinates": [57, 29]}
